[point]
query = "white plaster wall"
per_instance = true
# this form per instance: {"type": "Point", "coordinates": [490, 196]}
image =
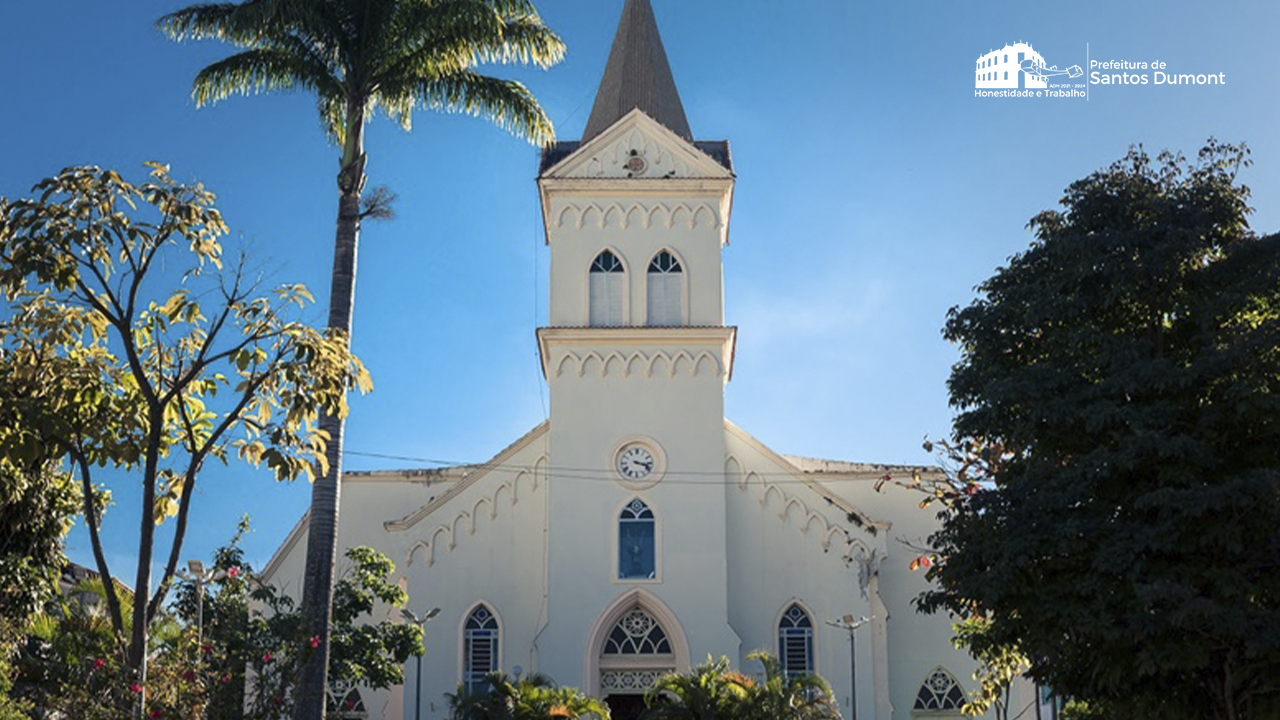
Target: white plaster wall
{"type": "Point", "coordinates": [917, 642]}
{"type": "Point", "coordinates": [635, 226]}
{"type": "Point", "coordinates": [779, 551]}
{"type": "Point", "coordinates": [592, 414]}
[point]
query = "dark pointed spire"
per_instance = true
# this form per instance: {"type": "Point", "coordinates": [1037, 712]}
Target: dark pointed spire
{"type": "Point", "coordinates": [637, 76]}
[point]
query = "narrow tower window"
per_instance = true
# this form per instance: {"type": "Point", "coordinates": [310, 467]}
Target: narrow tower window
{"type": "Point", "coordinates": [479, 648]}
{"type": "Point", "coordinates": [636, 558]}
{"type": "Point", "coordinates": [795, 641]}
{"type": "Point", "coordinates": [608, 284]}
{"type": "Point", "coordinates": [666, 290]}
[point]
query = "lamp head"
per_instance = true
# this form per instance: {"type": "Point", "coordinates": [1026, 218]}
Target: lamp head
{"type": "Point", "coordinates": [196, 567]}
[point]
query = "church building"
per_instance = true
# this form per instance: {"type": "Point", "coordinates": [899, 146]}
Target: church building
{"type": "Point", "coordinates": [637, 531]}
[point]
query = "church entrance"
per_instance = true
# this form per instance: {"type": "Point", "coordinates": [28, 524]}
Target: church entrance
{"type": "Point", "coordinates": [625, 707]}
{"type": "Point", "coordinates": [636, 652]}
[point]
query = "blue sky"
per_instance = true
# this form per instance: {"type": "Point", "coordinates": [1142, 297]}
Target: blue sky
{"type": "Point", "coordinates": [874, 192]}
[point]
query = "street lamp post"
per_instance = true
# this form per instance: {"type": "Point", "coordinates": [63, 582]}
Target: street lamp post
{"type": "Point", "coordinates": [196, 573]}
{"type": "Point", "coordinates": [420, 622]}
{"type": "Point", "coordinates": [850, 624]}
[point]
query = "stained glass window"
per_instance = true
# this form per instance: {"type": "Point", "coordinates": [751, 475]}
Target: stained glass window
{"type": "Point", "coordinates": [636, 539]}
{"type": "Point", "coordinates": [939, 691]}
{"type": "Point", "coordinates": [637, 633]}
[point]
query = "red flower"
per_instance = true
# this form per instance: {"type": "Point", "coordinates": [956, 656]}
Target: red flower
{"type": "Point", "coordinates": [189, 675]}
{"type": "Point", "coordinates": [97, 664]}
{"type": "Point", "coordinates": [276, 701]}
{"type": "Point", "coordinates": [206, 648]}
{"type": "Point", "coordinates": [315, 641]}
{"type": "Point", "coordinates": [267, 657]}
{"type": "Point", "coordinates": [135, 687]}
{"type": "Point", "coordinates": [233, 572]}
{"type": "Point", "coordinates": [155, 713]}
{"type": "Point", "coordinates": [226, 678]}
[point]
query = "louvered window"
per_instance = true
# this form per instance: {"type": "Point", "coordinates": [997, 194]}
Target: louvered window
{"type": "Point", "coordinates": [480, 648]}
{"type": "Point", "coordinates": [795, 641]}
{"type": "Point", "coordinates": [665, 290]}
{"type": "Point", "coordinates": [608, 280]}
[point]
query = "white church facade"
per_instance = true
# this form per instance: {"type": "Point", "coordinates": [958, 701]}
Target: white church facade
{"type": "Point", "coordinates": [637, 531]}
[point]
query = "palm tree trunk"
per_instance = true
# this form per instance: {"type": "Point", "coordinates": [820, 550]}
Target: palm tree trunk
{"type": "Point", "coordinates": [322, 525]}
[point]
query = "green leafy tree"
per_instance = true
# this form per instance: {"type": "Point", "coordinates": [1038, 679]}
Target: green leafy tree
{"type": "Point", "coordinates": [788, 697]}
{"type": "Point", "coordinates": [710, 691]}
{"type": "Point", "coordinates": [99, 371]}
{"type": "Point", "coordinates": [1126, 369]}
{"type": "Point", "coordinates": [37, 503]}
{"type": "Point", "coordinates": [359, 57]}
{"type": "Point", "coordinates": [534, 697]}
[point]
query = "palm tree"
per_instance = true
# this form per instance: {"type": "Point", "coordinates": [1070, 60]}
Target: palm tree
{"type": "Point", "coordinates": [789, 697]}
{"type": "Point", "coordinates": [534, 697]}
{"type": "Point", "coordinates": [358, 57]}
{"type": "Point", "coordinates": [710, 691]}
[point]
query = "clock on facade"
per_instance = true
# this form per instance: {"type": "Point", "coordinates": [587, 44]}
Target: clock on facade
{"type": "Point", "coordinates": [635, 462]}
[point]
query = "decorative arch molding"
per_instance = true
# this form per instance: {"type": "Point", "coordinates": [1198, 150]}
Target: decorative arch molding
{"type": "Point", "coordinates": [445, 534]}
{"type": "Point", "coordinates": [605, 622]}
{"type": "Point", "coordinates": [644, 214]}
{"type": "Point", "coordinates": [795, 511]}
{"type": "Point", "coordinates": [640, 363]}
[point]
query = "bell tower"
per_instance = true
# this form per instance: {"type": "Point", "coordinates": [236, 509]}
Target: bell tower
{"type": "Point", "coordinates": [636, 354]}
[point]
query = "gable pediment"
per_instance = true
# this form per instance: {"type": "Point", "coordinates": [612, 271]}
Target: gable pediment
{"type": "Point", "coordinates": [637, 146]}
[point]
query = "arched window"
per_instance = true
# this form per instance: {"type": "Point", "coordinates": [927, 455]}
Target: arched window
{"type": "Point", "coordinates": [636, 557]}
{"type": "Point", "coordinates": [939, 692]}
{"type": "Point", "coordinates": [479, 648]}
{"type": "Point", "coordinates": [666, 290]}
{"type": "Point", "coordinates": [637, 633]}
{"type": "Point", "coordinates": [343, 701]}
{"type": "Point", "coordinates": [795, 641]}
{"type": "Point", "coordinates": [608, 290]}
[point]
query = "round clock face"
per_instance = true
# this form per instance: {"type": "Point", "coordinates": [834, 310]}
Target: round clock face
{"type": "Point", "coordinates": [635, 463]}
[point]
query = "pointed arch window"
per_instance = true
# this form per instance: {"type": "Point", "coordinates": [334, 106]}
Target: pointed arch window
{"type": "Point", "coordinates": [665, 290]}
{"type": "Point", "coordinates": [939, 693]}
{"type": "Point", "coordinates": [795, 641]}
{"type": "Point", "coordinates": [608, 282]}
{"type": "Point", "coordinates": [637, 559]}
{"type": "Point", "coordinates": [637, 633]}
{"type": "Point", "coordinates": [479, 648]}
{"type": "Point", "coordinates": [343, 701]}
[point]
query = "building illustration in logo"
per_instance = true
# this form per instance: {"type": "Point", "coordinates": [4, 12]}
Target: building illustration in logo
{"type": "Point", "coordinates": [1017, 65]}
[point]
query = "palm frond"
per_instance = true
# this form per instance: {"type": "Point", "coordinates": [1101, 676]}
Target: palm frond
{"type": "Point", "coordinates": [507, 103]}
{"type": "Point", "coordinates": [255, 71]}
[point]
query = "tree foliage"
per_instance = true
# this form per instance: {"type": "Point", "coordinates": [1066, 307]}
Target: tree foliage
{"type": "Point", "coordinates": [714, 691]}
{"type": "Point", "coordinates": [1119, 394]}
{"type": "Point", "coordinates": [534, 697]}
{"type": "Point", "coordinates": [37, 502]}
{"type": "Point", "coordinates": [101, 370]}
{"type": "Point", "coordinates": [227, 647]}
{"type": "Point", "coordinates": [359, 57]}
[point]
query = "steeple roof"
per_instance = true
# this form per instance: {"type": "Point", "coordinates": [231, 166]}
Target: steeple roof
{"type": "Point", "coordinates": [637, 76]}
